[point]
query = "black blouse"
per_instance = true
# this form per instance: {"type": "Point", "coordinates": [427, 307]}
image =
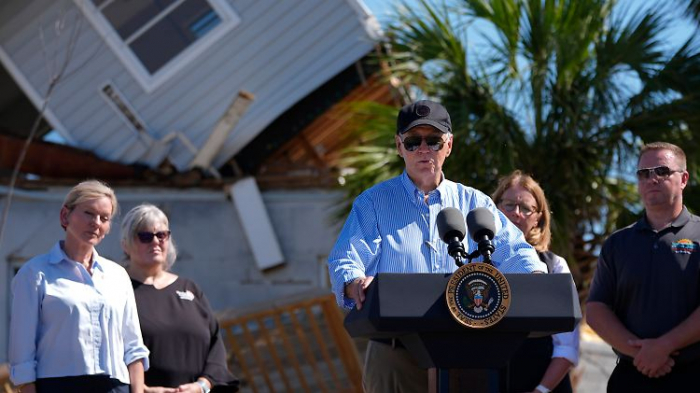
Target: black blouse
{"type": "Point", "coordinates": [180, 330]}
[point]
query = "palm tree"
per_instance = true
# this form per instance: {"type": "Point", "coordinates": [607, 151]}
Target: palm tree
{"type": "Point", "coordinates": [692, 9]}
{"type": "Point", "coordinates": [563, 89]}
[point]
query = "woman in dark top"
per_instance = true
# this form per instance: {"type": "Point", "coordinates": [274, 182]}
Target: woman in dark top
{"type": "Point", "coordinates": [177, 323]}
{"type": "Point", "coordinates": [542, 364]}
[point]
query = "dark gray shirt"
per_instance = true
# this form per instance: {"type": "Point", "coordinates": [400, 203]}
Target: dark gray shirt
{"type": "Point", "coordinates": [650, 279]}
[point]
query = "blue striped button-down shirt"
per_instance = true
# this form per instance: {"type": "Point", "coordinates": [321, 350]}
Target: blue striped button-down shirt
{"type": "Point", "coordinates": [392, 230]}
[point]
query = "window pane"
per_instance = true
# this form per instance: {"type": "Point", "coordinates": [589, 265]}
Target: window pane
{"type": "Point", "coordinates": [127, 16]}
{"type": "Point", "coordinates": [174, 33]}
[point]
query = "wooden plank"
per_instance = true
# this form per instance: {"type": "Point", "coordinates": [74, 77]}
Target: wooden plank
{"type": "Point", "coordinates": [222, 129]}
{"type": "Point", "coordinates": [348, 352]}
{"type": "Point", "coordinates": [256, 356]}
{"type": "Point", "coordinates": [307, 351]}
{"type": "Point", "coordinates": [273, 352]}
{"type": "Point", "coordinates": [233, 345]}
{"type": "Point", "coordinates": [324, 348]}
{"type": "Point", "coordinates": [291, 354]}
{"type": "Point", "coordinates": [315, 341]}
{"type": "Point", "coordinates": [42, 157]}
{"type": "Point", "coordinates": [297, 162]}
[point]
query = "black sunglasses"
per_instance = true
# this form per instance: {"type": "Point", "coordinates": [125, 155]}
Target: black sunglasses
{"type": "Point", "coordinates": [412, 143]}
{"type": "Point", "coordinates": [147, 237]}
{"type": "Point", "coordinates": [662, 172]}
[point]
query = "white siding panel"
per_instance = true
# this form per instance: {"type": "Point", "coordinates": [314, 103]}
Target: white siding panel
{"type": "Point", "coordinates": [84, 117]}
{"type": "Point", "coordinates": [281, 51]}
{"type": "Point", "coordinates": [128, 86]}
{"type": "Point", "coordinates": [302, 71]}
{"type": "Point", "coordinates": [37, 57]}
{"type": "Point", "coordinates": [242, 5]}
{"type": "Point", "coordinates": [301, 58]}
{"type": "Point", "coordinates": [273, 65]}
{"type": "Point", "coordinates": [111, 132]}
{"type": "Point", "coordinates": [13, 14]}
{"type": "Point", "coordinates": [20, 17]}
{"type": "Point", "coordinates": [90, 118]}
{"type": "Point", "coordinates": [238, 140]}
{"type": "Point", "coordinates": [33, 57]}
{"type": "Point", "coordinates": [222, 68]}
{"type": "Point", "coordinates": [89, 69]}
{"type": "Point", "coordinates": [99, 129]}
{"type": "Point", "coordinates": [76, 99]}
{"type": "Point", "coordinates": [200, 75]}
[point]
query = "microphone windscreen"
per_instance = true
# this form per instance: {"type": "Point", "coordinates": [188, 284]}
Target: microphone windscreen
{"type": "Point", "coordinates": [481, 223]}
{"type": "Point", "coordinates": [450, 223]}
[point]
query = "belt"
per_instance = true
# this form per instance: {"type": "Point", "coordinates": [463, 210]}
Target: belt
{"type": "Point", "coordinates": [394, 342]}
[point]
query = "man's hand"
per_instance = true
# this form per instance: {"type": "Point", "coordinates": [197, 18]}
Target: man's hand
{"type": "Point", "coordinates": [653, 358]}
{"type": "Point", "coordinates": [27, 388]}
{"type": "Point", "coordinates": [355, 290]}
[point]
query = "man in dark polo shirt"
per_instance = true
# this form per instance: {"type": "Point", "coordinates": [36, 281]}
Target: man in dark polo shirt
{"type": "Point", "coordinates": [644, 299]}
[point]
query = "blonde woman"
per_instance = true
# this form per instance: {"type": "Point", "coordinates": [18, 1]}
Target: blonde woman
{"type": "Point", "coordinates": [542, 364]}
{"type": "Point", "coordinates": [74, 325]}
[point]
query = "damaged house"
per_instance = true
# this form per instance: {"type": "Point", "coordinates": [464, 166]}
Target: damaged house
{"type": "Point", "coordinates": [227, 114]}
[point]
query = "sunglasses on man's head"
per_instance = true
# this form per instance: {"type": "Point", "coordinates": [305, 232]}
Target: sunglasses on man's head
{"type": "Point", "coordinates": [412, 143]}
{"type": "Point", "coordinates": [662, 172]}
{"type": "Point", "coordinates": [147, 237]}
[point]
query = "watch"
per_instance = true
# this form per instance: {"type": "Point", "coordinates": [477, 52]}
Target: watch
{"type": "Point", "coordinates": [542, 388]}
{"type": "Point", "coordinates": [203, 385]}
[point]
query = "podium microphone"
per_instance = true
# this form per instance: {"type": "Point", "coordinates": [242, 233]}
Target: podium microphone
{"type": "Point", "coordinates": [451, 227]}
{"type": "Point", "coordinates": [482, 228]}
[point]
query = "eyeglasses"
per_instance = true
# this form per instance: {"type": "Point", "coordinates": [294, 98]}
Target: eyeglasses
{"type": "Point", "coordinates": [147, 237]}
{"type": "Point", "coordinates": [525, 210]}
{"type": "Point", "coordinates": [662, 172]}
{"type": "Point", "coordinates": [412, 143]}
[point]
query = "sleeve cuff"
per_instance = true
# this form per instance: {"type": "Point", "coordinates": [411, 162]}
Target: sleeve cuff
{"type": "Point", "coordinates": [343, 301]}
{"type": "Point", "coordinates": [567, 353]}
{"type": "Point", "coordinates": [138, 355]}
{"type": "Point", "coordinates": [23, 373]}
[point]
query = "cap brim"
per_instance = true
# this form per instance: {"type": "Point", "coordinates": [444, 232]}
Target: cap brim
{"type": "Point", "coordinates": [425, 122]}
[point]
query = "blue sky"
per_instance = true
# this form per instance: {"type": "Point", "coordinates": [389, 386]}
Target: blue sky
{"type": "Point", "coordinates": [679, 31]}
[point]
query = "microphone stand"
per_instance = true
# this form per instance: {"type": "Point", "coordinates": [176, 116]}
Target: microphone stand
{"type": "Point", "coordinates": [456, 251]}
{"type": "Point", "coordinates": [485, 248]}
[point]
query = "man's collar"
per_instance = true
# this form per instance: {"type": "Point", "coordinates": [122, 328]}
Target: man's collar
{"type": "Point", "coordinates": [416, 193]}
{"type": "Point", "coordinates": [678, 222]}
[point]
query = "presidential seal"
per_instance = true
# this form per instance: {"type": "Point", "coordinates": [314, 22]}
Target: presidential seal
{"type": "Point", "coordinates": [478, 295]}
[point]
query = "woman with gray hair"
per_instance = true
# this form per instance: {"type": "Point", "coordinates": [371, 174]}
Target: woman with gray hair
{"type": "Point", "coordinates": [177, 323]}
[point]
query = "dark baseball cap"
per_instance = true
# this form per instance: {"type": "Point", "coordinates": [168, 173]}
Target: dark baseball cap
{"type": "Point", "coordinates": [423, 113]}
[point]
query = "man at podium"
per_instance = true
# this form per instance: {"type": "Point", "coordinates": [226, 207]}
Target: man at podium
{"type": "Point", "coordinates": [392, 228]}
